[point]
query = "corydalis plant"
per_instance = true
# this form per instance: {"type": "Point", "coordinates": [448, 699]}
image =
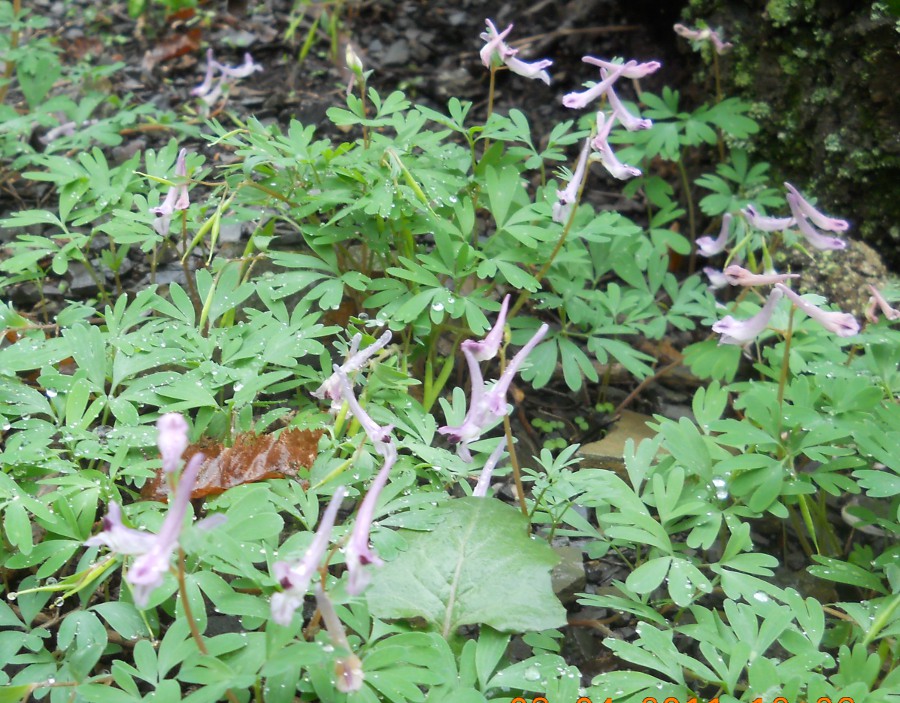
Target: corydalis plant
{"type": "Point", "coordinates": [487, 404]}
{"type": "Point", "coordinates": [208, 91]}
{"type": "Point", "coordinates": [295, 578]}
{"type": "Point", "coordinates": [742, 332]}
{"type": "Point", "coordinates": [359, 553]}
{"type": "Point", "coordinates": [495, 46]}
{"type": "Point", "coordinates": [610, 73]}
{"type": "Point", "coordinates": [154, 552]}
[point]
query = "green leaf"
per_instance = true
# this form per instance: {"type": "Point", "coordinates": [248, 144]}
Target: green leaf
{"type": "Point", "coordinates": [478, 567]}
{"type": "Point", "coordinates": [649, 575]}
{"type": "Point", "coordinates": [18, 526]}
{"type": "Point", "coordinates": [14, 694]}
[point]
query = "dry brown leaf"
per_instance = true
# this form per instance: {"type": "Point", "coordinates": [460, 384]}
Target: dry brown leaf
{"type": "Point", "coordinates": [251, 458]}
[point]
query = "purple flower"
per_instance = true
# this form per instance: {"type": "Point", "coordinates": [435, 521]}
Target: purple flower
{"type": "Point", "coordinates": [153, 552]}
{"type": "Point", "coordinates": [766, 224]}
{"type": "Point", "coordinates": [487, 348]}
{"type": "Point", "coordinates": [738, 276]}
{"type": "Point", "coordinates": [534, 69]}
{"type": "Point", "coordinates": [630, 122]}
{"type": "Point", "coordinates": [355, 361]}
{"type": "Point", "coordinates": [607, 157]}
{"type": "Point", "coordinates": [176, 199]}
{"type": "Point", "coordinates": [804, 207]}
{"type": "Point", "coordinates": [577, 101]}
{"type": "Point", "coordinates": [631, 69]}
{"type": "Point", "coordinates": [567, 197]}
{"type": "Point", "coordinates": [295, 578]}
{"type": "Point", "coordinates": [172, 440]}
{"type": "Point", "coordinates": [484, 480]}
{"type": "Point", "coordinates": [843, 324]}
{"type": "Point", "coordinates": [815, 238]}
{"type": "Point", "coordinates": [742, 332]}
{"type": "Point", "coordinates": [227, 74]}
{"type": "Point", "coordinates": [380, 436]}
{"type": "Point", "coordinates": [359, 553]}
{"type": "Point", "coordinates": [118, 538]}
{"type": "Point", "coordinates": [703, 35]}
{"type": "Point", "coordinates": [149, 568]}
{"type": "Point", "coordinates": [245, 69]}
{"type": "Point", "coordinates": [717, 279]}
{"type": "Point", "coordinates": [348, 669]}
{"type": "Point", "coordinates": [486, 406]}
{"type": "Point", "coordinates": [495, 45]}
{"type": "Point", "coordinates": [707, 246]}
{"type": "Point", "coordinates": [877, 300]}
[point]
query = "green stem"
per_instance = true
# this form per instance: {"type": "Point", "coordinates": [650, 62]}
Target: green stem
{"type": "Point", "coordinates": [692, 220]}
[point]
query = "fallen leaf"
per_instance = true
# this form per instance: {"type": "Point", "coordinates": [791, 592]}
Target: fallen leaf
{"type": "Point", "coordinates": [172, 47]}
{"type": "Point", "coordinates": [251, 458]}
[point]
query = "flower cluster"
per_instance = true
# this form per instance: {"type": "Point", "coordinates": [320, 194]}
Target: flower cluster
{"type": "Point", "coordinates": [495, 45]}
{"type": "Point", "coordinates": [804, 216]}
{"type": "Point", "coordinates": [154, 552]}
{"type": "Point", "coordinates": [487, 404]}
{"type": "Point", "coordinates": [210, 90]}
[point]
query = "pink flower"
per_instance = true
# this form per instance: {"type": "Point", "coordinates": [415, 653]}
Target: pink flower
{"type": "Point", "coordinates": [717, 279]}
{"type": "Point", "coordinates": [607, 157]}
{"type": "Point", "coordinates": [486, 406]}
{"type": "Point", "coordinates": [630, 122]}
{"type": "Point", "coordinates": [348, 669]}
{"type": "Point", "coordinates": [840, 323]}
{"type": "Point", "coordinates": [877, 300]}
{"type": "Point", "coordinates": [172, 439]}
{"type": "Point", "coordinates": [631, 69]}
{"type": "Point", "coordinates": [359, 553]}
{"type": "Point", "coordinates": [815, 238]}
{"type": "Point", "coordinates": [738, 276]}
{"type": "Point", "coordinates": [380, 436]}
{"type": "Point", "coordinates": [707, 246]}
{"type": "Point", "coordinates": [487, 348]}
{"type": "Point", "coordinates": [568, 196]}
{"type": "Point", "coordinates": [176, 199]}
{"type": "Point", "coordinates": [742, 332]}
{"type": "Point", "coordinates": [703, 35]}
{"type": "Point", "coordinates": [354, 362]}
{"type": "Point", "coordinates": [804, 207]}
{"type": "Point", "coordinates": [118, 538]}
{"type": "Point", "coordinates": [227, 74]}
{"type": "Point", "coordinates": [496, 46]}
{"type": "Point", "coordinates": [295, 578]}
{"type": "Point", "coordinates": [154, 552]}
{"type": "Point", "coordinates": [766, 224]}
{"type": "Point", "coordinates": [576, 101]}
{"type": "Point", "coordinates": [484, 480]}
{"type": "Point", "coordinates": [534, 69]}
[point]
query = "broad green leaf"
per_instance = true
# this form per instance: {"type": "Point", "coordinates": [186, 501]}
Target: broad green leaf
{"type": "Point", "coordinates": [478, 567]}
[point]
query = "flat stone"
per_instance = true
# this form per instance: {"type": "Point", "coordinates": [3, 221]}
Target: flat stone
{"type": "Point", "coordinates": [568, 575]}
{"type": "Point", "coordinates": [609, 452]}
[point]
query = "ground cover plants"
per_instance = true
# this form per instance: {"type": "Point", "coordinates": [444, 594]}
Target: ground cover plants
{"type": "Point", "coordinates": [274, 473]}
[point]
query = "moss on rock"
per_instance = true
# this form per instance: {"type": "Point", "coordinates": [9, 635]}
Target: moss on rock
{"type": "Point", "coordinates": [826, 71]}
